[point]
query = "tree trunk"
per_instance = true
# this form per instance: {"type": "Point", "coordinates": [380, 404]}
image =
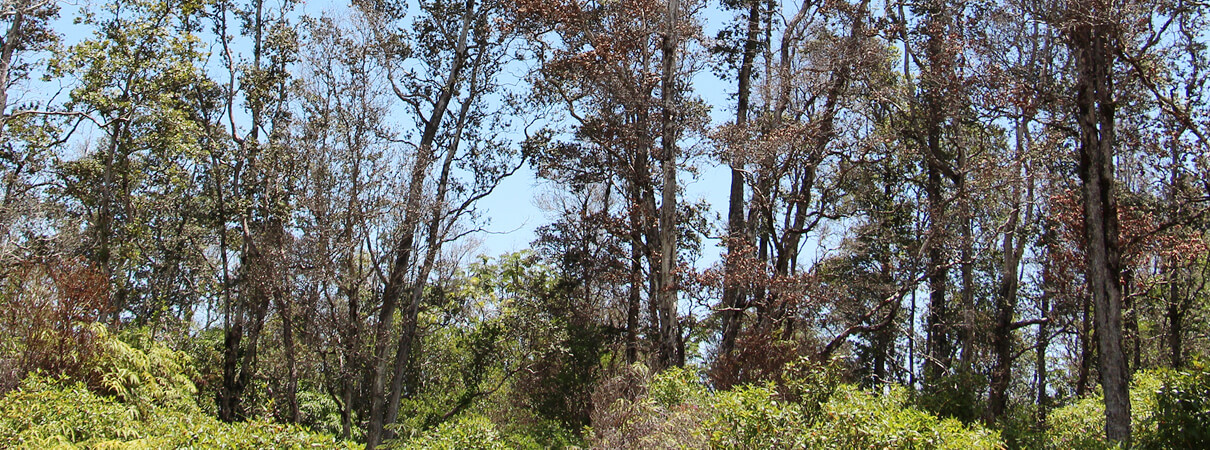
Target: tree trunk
{"type": "Point", "coordinates": [1006, 307]}
{"type": "Point", "coordinates": [433, 243]}
{"type": "Point", "coordinates": [1043, 399]}
{"type": "Point", "coordinates": [12, 39]}
{"type": "Point", "coordinates": [733, 295]}
{"type": "Point", "coordinates": [1095, 110]}
{"type": "Point", "coordinates": [395, 286]}
{"type": "Point", "coordinates": [1087, 334]}
{"type": "Point", "coordinates": [634, 296]}
{"type": "Point", "coordinates": [670, 353]}
{"type": "Point", "coordinates": [939, 348]}
{"type": "Point", "coordinates": [1176, 324]}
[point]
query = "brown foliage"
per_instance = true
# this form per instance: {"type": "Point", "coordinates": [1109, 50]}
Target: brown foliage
{"type": "Point", "coordinates": [46, 312]}
{"type": "Point", "coordinates": [625, 419]}
{"type": "Point", "coordinates": [759, 356]}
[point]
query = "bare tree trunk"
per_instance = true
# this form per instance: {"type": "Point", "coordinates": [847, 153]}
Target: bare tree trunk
{"type": "Point", "coordinates": [1087, 335]}
{"type": "Point", "coordinates": [1043, 399]}
{"type": "Point", "coordinates": [433, 243]}
{"type": "Point", "coordinates": [1013, 248]}
{"type": "Point", "coordinates": [12, 39]}
{"type": "Point", "coordinates": [670, 335]}
{"type": "Point", "coordinates": [1176, 324]}
{"type": "Point", "coordinates": [1006, 306]}
{"type": "Point", "coordinates": [939, 348]}
{"type": "Point", "coordinates": [733, 295]}
{"type": "Point", "coordinates": [634, 296]}
{"type": "Point", "coordinates": [287, 319]}
{"type": "Point", "coordinates": [395, 287]}
{"type": "Point", "coordinates": [937, 338]}
{"type": "Point", "coordinates": [1095, 110]}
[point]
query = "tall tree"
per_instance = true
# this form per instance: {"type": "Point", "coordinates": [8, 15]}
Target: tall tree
{"type": "Point", "coordinates": [1092, 35]}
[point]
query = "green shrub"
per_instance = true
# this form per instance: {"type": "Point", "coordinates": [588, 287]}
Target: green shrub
{"type": "Point", "coordinates": [1077, 425]}
{"type": "Point", "coordinates": [1182, 408]}
{"type": "Point", "coordinates": [1169, 409]}
{"type": "Point", "coordinates": [675, 386]}
{"type": "Point", "coordinates": [955, 395]}
{"type": "Point", "coordinates": [810, 409]}
{"type": "Point", "coordinates": [752, 417]}
{"type": "Point", "coordinates": [468, 431]}
{"type": "Point", "coordinates": [45, 412]}
{"type": "Point", "coordinates": [147, 399]}
{"type": "Point", "coordinates": [146, 374]}
{"type": "Point", "coordinates": [853, 418]}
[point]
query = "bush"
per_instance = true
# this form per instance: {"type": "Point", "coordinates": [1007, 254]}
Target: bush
{"type": "Point", "coordinates": [46, 412]}
{"type": "Point", "coordinates": [1182, 409]}
{"type": "Point", "coordinates": [809, 410]}
{"type": "Point", "coordinates": [147, 399]}
{"type": "Point", "coordinates": [146, 374]}
{"type": "Point", "coordinates": [752, 417]}
{"type": "Point", "coordinates": [637, 410]}
{"type": "Point", "coordinates": [1169, 409]}
{"type": "Point", "coordinates": [468, 431]}
{"type": "Point", "coordinates": [856, 419]}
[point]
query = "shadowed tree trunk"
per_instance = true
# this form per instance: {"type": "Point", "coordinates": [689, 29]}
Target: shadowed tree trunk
{"type": "Point", "coordinates": [733, 295]}
{"type": "Point", "coordinates": [1093, 43]}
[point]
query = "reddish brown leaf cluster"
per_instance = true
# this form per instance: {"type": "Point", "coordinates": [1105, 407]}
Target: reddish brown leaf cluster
{"type": "Point", "coordinates": [46, 316]}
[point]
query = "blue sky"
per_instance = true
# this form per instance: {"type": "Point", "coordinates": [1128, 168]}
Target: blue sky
{"type": "Point", "coordinates": [515, 215]}
{"type": "Point", "coordinates": [512, 211]}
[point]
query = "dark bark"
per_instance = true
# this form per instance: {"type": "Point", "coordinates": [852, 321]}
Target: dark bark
{"type": "Point", "coordinates": [433, 243]}
{"type": "Point", "coordinates": [396, 284]}
{"type": "Point", "coordinates": [1006, 305]}
{"type": "Point", "coordinates": [670, 353]}
{"type": "Point", "coordinates": [1176, 324]}
{"type": "Point", "coordinates": [733, 294]}
{"type": "Point", "coordinates": [1092, 45]}
{"type": "Point", "coordinates": [1042, 399]}
{"type": "Point", "coordinates": [938, 339]}
{"type": "Point", "coordinates": [1012, 248]}
{"type": "Point", "coordinates": [1087, 335]}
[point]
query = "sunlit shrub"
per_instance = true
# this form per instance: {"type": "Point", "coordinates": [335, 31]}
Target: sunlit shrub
{"type": "Point", "coordinates": [853, 418]}
{"type": "Point", "coordinates": [44, 412]}
{"type": "Point", "coordinates": [145, 398]}
{"type": "Point", "coordinates": [468, 431]}
{"type": "Point", "coordinates": [1168, 409]}
{"type": "Point", "coordinates": [753, 417]}
{"type": "Point", "coordinates": [146, 374]}
{"type": "Point", "coordinates": [809, 409]}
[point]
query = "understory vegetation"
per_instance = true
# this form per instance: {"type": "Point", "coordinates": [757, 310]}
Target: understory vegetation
{"type": "Point", "coordinates": [135, 392]}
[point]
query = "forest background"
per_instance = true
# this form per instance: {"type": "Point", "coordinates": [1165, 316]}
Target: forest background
{"type": "Point", "coordinates": [820, 224]}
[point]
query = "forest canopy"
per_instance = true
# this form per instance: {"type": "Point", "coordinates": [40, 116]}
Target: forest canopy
{"type": "Point", "coordinates": [938, 224]}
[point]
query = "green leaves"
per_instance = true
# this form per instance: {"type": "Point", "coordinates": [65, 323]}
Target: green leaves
{"type": "Point", "coordinates": [45, 411]}
{"type": "Point", "coordinates": [153, 405]}
{"type": "Point", "coordinates": [819, 412]}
